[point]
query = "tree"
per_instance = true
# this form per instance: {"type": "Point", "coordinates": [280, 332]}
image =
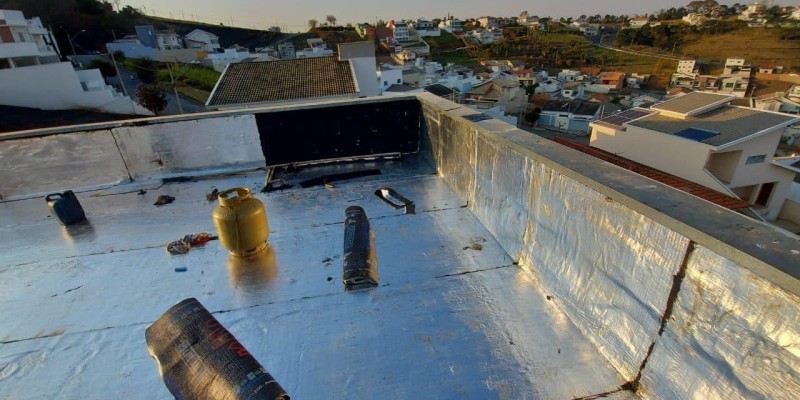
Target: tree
{"type": "Point", "coordinates": [312, 23]}
{"type": "Point", "coordinates": [331, 20]}
{"type": "Point", "coordinates": [533, 116]}
{"type": "Point", "coordinates": [152, 98]}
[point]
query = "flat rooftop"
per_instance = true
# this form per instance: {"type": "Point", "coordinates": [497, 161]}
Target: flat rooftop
{"type": "Point", "coordinates": [692, 102]}
{"type": "Point", "coordinates": [729, 122]}
{"type": "Point", "coordinates": [453, 315]}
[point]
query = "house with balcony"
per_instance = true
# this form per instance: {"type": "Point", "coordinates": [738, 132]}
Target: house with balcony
{"type": "Point", "coordinates": [423, 28]}
{"type": "Point", "coordinates": [399, 30]}
{"type": "Point", "coordinates": [33, 75]}
{"type": "Point", "coordinates": [700, 137]}
{"type": "Point", "coordinates": [200, 39]}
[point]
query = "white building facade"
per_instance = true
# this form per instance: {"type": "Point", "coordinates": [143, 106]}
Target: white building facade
{"type": "Point", "coordinates": [32, 75]}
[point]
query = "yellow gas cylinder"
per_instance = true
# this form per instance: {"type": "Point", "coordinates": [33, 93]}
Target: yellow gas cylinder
{"type": "Point", "coordinates": [241, 222]}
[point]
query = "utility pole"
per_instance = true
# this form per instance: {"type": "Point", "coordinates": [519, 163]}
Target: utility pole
{"type": "Point", "coordinates": [119, 76]}
{"type": "Point", "coordinates": [175, 87]}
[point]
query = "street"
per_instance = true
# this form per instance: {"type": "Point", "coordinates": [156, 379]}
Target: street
{"type": "Point", "coordinates": [189, 104]}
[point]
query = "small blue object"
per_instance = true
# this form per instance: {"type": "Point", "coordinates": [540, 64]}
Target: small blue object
{"type": "Point", "coordinates": [180, 269]}
{"type": "Point", "coordinates": [696, 134]}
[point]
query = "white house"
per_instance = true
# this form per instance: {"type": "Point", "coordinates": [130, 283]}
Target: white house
{"type": "Point", "coordinates": [486, 36]}
{"type": "Point", "coordinates": [316, 48]}
{"type": "Point", "coordinates": [700, 137]}
{"type": "Point", "coordinates": [452, 25]}
{"type": "Point", "coordinates": [32, 75]}
{"type": "Point", "coordinates": [488, 22]}
{"type": "Point", "coordinates": [218, 61]}
{"type": "Point", "coordinates": [199, 39]}
{"type": "Point", "coordinates": [390, 75]}
{"type": "Point", "coordinates": [569, 115]}
{"type": "Point", "coordinates": [569, 75]}
{"type": "Point", "coordinates": [399, 30]}
{"type": "Point", "coordinates": [423, 28]}
{"type": "Point", "coordinates": [362, 57]}
{"type": "Point", "coordinates": [636, 23]}
{"type": "Point", "coordinates": [695, 19]}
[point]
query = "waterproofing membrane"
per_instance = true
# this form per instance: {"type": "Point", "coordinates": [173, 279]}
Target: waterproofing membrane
{"type": "Point", "coordinates": [732, 335]}
{"type": "Point", "coordinates": [610, 269]}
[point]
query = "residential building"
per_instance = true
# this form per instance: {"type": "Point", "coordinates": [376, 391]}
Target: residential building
{"type": "Point", "coordinates": [200, 39]}
{"type": "Point", "coordinates": [32, 74]}
{"type": "Point", "coordinates": [452, 25]}
{"type": "Point", "coordinates": [274, 29]}
{"type": "Point", "coordinates": [286, 50]}
{"type": "Point", "coordinates": [573, 90]}
{"type": "Point", "coordinates": [700, 137]}
{"type": "Point", "coordinates": [503, 90]}
{"type": "Point", "coordinates": [612, 80]}
{"type": "Point", "coordinates": [778, 102]}
{"type": "Point", "coordinates": [738, 67]}
{"type": "Point", "coordinates": [695, 19]}
{"type": "Point", "coordinates": [404, 57]}
{"type": "Point", "coordinates": [316, 48]}
{"type": "Point", "coordinates": [423, 28]}
{"type": "Point", "coordinates": [488, 22]}
{"type": "Point", "coordinates": [569, 115]}
{"type": "Point", "coordinates": [486, 36]}
{"type": "Point", "coordinates": [365, 30]}
{"type": "Point", "coordinates": [568, 75]}
{"type": "Point", "coordinates": [735, 85]}
{"type": "Point", "coordinates": [390, 75]}
{"type": "Point", "coordinates": [688, 67]}
{"type": "Point", "coordinates": [218, 61]}
{"type": "Point", "coordinates": [527, 20]}
{"type": "Point", "coordinates": [708, 83]}
{"type": "Point", "coordinates": [362, 58]}
{"type": "Point", "coordinates": [636, 23]}
{"type": "Point", "coordinates": [161, 40]}
{"type": "Point", "coordinates": [637, 81]}
{"type": "Point", "coordinates": [256, 84]}
{"type": "Point", "coordinates": [399, 30]}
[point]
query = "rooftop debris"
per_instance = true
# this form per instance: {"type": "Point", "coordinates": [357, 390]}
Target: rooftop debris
{"type": "Point", "coordinates": [326, 179]}
{"type": "Point", "coordinates": [163, 200]}
{"type": "Point", "coordinates": [185, 244]}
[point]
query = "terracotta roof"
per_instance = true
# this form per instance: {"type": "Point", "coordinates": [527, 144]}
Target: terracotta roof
{"type": "Point", "coordinates": [683, 185]}
{"type": "Point", "coordinates": [282, 80]}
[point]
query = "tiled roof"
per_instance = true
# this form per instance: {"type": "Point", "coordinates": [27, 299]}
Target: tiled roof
{"type": "Point", "coordinates": [683, 185]}
{"type": "Point", "coordinates": [282, 80]}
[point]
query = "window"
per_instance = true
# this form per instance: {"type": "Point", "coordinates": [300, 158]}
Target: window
{"type": "Point", "coordinates": [398, 81]}
{"type": "Point", "coordinates": [21, 36]}
{"type": "Point", "coordinates": [756, 159]}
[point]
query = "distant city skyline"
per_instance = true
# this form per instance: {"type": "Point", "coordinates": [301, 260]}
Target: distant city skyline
{"type": "Point", "coordinates": [293, 16]}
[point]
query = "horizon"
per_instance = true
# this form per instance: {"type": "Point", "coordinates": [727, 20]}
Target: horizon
{"type": "Point", "coordinates": [240, 13]}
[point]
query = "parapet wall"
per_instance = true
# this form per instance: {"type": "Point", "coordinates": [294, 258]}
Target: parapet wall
{"type": "Point", "coordinates": [685, 299]}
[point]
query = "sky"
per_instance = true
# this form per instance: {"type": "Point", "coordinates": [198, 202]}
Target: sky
{"type": "Point", "coordinates": [292, 15]}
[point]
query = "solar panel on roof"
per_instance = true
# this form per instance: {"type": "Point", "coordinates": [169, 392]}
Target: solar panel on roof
{"type": "Point", "coordinates": [623, 117]}
{"type": "Point", "coordinates": [696, 134]}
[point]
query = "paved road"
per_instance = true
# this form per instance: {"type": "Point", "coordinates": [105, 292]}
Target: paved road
{"type": "Point", "coordinates": [189, 104]}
